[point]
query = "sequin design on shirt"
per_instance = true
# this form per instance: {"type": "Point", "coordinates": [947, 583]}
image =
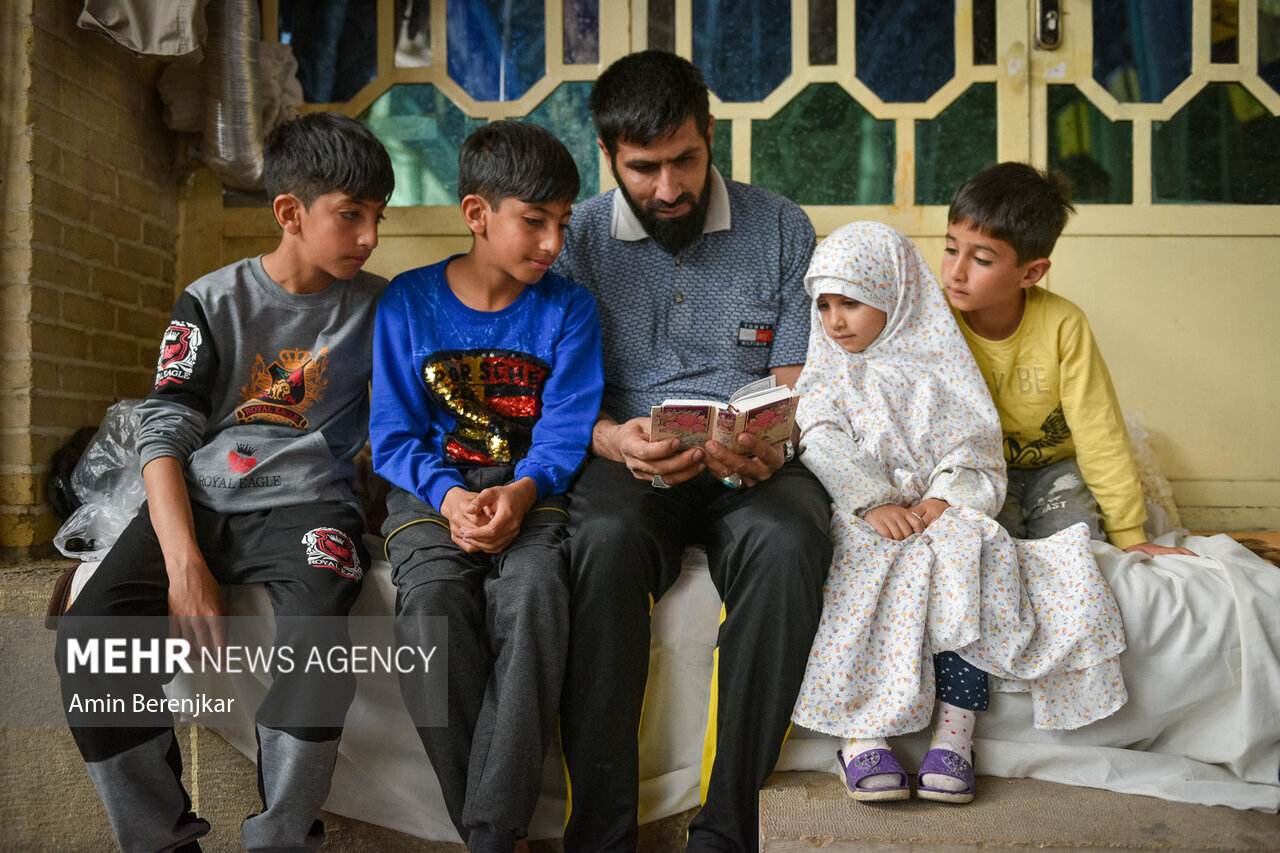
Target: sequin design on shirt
{"type": "Point", "coordinates": [494, 397]}
{"type": "Point", "coordinates": [279, 393]}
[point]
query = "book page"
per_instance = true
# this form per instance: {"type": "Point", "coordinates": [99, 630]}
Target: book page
{"type": "Point", "coordinates": [752, 388]}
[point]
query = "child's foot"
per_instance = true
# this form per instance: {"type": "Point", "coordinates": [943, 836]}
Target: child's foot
{"type": "Point", "coordinates": [873, 774]}
{"type": "Point", "coordinates": [946, 776]}
{"type": "Point", "coordinates": [953, 735]}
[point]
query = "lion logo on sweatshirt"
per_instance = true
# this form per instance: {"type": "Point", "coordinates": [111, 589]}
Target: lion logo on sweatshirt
{"type": "Point", "coordinates": [178, 350]}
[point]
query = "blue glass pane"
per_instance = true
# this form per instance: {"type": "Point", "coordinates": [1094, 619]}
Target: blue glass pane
{"type": "Point", "coordinates": [581, 32]}
{"type": "Point", "coordinates": [722, 146]}
{"type": "Point", "coordinates": [1269, 45]}
{"type": "Point", "coordinates": [1141, 48]}
{"type": "Point", "coordinates": [1095, 152]}
{"type": "Point", "coordinates": [906, 48]}
{"type": "Point", "coordinates": [335, 43]}
{"type": "Point", "coordinates": [956, 145]}
{"type": "Point", "coordinates": [496, 47]}
{"type": "Point", "coordinates": [742, 46]}
{"type": "Point", "coordinates": [824, 148]}
{"type": "Point", "coordinates": [564, 113]}
{"type": "Point", "coordinates": [422, 131]}
{"type": "Point", "coordinates": [1221, 148]}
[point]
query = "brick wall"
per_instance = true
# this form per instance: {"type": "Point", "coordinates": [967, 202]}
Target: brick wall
{"type": "Point", "coordinates": [90, 213]}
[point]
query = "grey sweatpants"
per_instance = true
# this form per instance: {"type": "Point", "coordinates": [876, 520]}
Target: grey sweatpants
{"type": "Point", "coordinates": [1042, 501]}
{"type": "Point", "coordinates": [508, 628]}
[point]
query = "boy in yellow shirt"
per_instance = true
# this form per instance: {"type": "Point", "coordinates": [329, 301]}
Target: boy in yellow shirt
{"type": "Point", "coordinates": [1064, 437]}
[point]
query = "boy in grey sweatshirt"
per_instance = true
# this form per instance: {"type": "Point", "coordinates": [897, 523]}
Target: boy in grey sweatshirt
{"type": "Point", "coordinates": [247, 445]}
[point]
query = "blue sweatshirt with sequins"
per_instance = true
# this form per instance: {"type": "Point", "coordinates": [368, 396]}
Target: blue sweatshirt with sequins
{"type": "Point", "coordinates": [455, 388]}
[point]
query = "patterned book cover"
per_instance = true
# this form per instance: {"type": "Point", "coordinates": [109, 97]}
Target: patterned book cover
{"type": "Point", "coordinates": [770, 415]}
{"type": "Point", "coordinates": [692, 423]}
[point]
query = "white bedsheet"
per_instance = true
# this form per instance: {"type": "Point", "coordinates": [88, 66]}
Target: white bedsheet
{"type": "Point", "coordinates": [1202, 723]}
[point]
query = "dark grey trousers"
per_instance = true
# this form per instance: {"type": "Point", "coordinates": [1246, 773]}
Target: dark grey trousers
{"type": "Point", "coordinates": [1042, 501]}
{"type": "Point", "coordinates": [508, 627]}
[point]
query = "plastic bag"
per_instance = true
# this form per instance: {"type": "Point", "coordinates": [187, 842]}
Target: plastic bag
{"type": "Point", "coordinates": [1155, 487]}
{"type": "Point", "coordinates": [108, 483]}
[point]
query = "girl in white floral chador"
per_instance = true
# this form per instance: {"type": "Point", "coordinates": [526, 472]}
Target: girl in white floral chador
{"type": "Point", "coordinates": [925, 588]}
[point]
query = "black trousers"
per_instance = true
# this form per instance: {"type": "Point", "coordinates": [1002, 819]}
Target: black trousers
{"type": "Point", "coordinates": [769, 551]}
{"type": "Point", "coordinates": [311, 560]}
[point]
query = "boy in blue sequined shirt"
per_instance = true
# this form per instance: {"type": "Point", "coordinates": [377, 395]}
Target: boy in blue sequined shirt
{"type": "Point", "coordinates": [486, 383]}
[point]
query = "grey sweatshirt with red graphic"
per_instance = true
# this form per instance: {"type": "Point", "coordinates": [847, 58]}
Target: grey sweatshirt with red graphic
{"type": "Point", "coordinates": [263, 394]}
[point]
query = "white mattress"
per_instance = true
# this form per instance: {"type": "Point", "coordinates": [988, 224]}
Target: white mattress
{"type": "Point", "coordinates": [1202, 723]}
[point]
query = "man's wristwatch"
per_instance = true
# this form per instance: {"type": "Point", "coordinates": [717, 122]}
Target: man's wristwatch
{"type": "Point", "coordinates": [790, 450]}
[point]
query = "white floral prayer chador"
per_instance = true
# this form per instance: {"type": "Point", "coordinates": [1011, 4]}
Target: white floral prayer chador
{"type": "Point", "coordinates": [908, 419]}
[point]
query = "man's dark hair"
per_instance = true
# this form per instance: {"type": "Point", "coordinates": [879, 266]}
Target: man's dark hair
{"type": "Point", "coordinates": [646, 96]}
{"type": "Point", "coordinates": [516, 159]}
{"type": "Point", "coordinates": [1016, 203]}
{"type": "Point", "coordinates": [320, 153]}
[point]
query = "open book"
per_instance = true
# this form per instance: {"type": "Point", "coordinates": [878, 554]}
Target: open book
{"type": "Point", "coordinates": [763, 408]}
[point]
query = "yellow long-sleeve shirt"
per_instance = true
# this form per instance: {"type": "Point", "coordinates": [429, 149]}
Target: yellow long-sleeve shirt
{"type": "Point", "coordinates": [1055, 398]}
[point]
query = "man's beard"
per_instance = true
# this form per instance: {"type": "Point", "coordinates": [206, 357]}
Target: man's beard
{"type": "Point", "coordinates": [673, 235]}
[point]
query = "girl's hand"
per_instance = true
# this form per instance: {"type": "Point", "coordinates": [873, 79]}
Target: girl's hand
{"type": "Point", "coordinates": [930, 509]}
{"type": "Point", "coordinates": [894, 522]}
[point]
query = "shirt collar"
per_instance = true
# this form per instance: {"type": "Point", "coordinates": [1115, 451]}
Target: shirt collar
{"type": "Point", "coordinates": [623, 225]}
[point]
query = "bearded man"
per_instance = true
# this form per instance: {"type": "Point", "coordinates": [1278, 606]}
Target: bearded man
{"type": "Point", "coordinates": [699, 285]}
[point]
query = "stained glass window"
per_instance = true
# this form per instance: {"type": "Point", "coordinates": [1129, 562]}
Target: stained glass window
{"type": "Point", "coordinates": [564, 112]}
{"type": "Point", "coordinates": [1141, 48]}
{"type": "Point", "coordinates": [722, 146]}
{"type": "Point", "coordinates": [824, 148]}
{"type": "Point", "coordinates": [422, 131]}
{"type": "Point", "coordinates": [496, 47]}
{"type": "Point", "coordinates": [581, 32]}
{"type": "Point", "coordinates": [956, 145]}
{"type": "Point", "coordinates": [906, 48]}
{"type": "Point", "coordinates": [1090, 149]}
{"type": "Point", "coordinates": [822, 32]}
{"type": "Point", "coordinates": [335, 43]}
{"type": "Point", "coordinates": [1220, 147]}
{"type": "Point", "coordinates": [1269, 43]}
{"type": "Point", "coordinates": [742, 46]}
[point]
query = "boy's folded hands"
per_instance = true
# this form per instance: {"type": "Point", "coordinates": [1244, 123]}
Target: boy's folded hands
{"type": "Point", "coordinates": [488, 521]}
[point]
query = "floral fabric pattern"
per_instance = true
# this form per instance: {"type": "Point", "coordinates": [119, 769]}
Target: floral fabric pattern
{"type": "Point", "coordinates": [909, 418]}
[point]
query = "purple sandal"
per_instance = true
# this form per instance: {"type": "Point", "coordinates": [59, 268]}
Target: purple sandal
{"type": "Point", "coordinates": [871, 763]}
{"type": "Point", "coordinates": [944, 762]}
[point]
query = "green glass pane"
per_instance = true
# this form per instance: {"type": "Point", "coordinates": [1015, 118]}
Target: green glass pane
{"type": "Point", "coordinates": [956, 145]}
{"type": "Point", "coordinates": [1220, 148]}
{"type": "Point", "coordinates": [1095, 152]}
{"type": "Point", "coordinates": [722, 146]}
{"type": "Point", "coordinates": [422, 130]}
{"type": "Point", "coordinates": [564, 112]}
{"type": "Point", "coordinates": [824, 148]}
